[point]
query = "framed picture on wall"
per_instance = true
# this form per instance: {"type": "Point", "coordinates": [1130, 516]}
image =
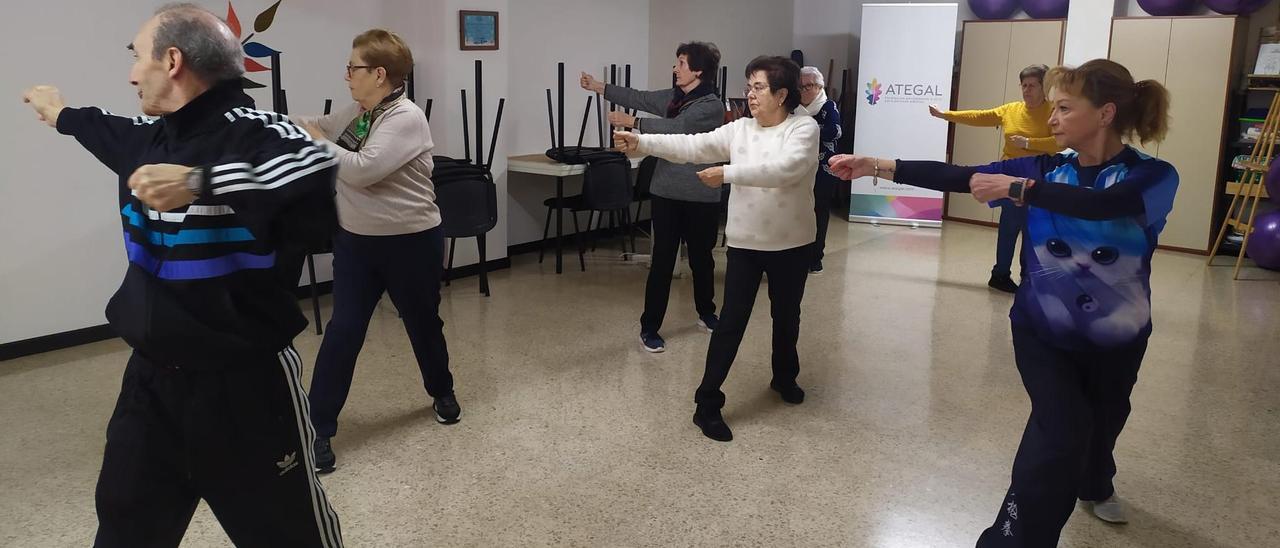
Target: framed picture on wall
{"type": "Point", "coordinates": [477, 30]}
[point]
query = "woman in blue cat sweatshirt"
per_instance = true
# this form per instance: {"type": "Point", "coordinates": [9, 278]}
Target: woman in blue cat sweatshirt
{"type": "Point", "coordinates": [1082, 318]}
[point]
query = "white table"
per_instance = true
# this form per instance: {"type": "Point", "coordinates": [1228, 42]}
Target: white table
{"type": "Point", "coordinates": [540, 164]}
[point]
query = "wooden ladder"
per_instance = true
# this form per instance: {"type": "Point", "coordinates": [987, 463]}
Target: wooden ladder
{"type": "Point", "coordinates": [1249, 191]}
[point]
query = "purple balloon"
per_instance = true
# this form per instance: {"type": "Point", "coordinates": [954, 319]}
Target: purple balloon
{"type": "Point", "coordinates": [993, 9]}
{"type": "Point", "coordinates": [1045, 9]}
{"type": "Point", "coordinates": [1168, 7]}
{"type": "Point", "coordinates": [1235, 7]}
{"type": "Point", "coordinates": [1264, 243]}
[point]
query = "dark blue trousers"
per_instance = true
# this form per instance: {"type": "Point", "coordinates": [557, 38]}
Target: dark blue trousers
{"type": "Point", "coordinates": [408, 267]}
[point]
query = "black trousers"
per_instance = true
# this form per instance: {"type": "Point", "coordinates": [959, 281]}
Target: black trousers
{"type": "Point", "coordinates": [1079, 404]}
{"type": "Point", "coordinates": [823, 189]}
{"type": "Point", "coordinates": [697, 224]}
{"type": "Point", "coordinates": [409, 268]}
{"type": "Point", "coordinates": [239, 438]}
{"type": "Point", "coordinates": [787, 270]}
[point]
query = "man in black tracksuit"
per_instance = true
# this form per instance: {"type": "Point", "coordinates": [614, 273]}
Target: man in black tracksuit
{"type": "Point", "coordinates": [217, 200]}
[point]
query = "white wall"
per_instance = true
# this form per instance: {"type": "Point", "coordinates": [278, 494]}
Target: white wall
{"type": "Point", "coordinates": [61, 250]}
{"type": "Point", "coordinates": [586, 35]}
{"type": "Point", "coordinates": [742, 29]}
{"type": "Point", "coordinates": [1088, 33]}
{"type": "Point", "coordinates": [822, 30]}
{"type": "Point", "coordinates": [60, 228]}
{"type": "Point", "coordinates": [437, 31]}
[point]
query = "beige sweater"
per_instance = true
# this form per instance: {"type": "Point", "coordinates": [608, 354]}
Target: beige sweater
{"type": "Point", "coordinates": [771, 170]}
{"type": "Point", "coordinates": [384, 189]}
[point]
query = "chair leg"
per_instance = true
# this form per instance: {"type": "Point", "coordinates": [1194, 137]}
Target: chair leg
{"type": "Point", "coordinates": [449, 267]}
{"type": "Point", "coordinates": [582, 244]}
{"type": "Point", "coordinates": [484, 270]}
{"type": "Point", "coordinates": [621, 216]}
{"type": "Point", "coordinates": [631, 226]}
{"type": "Point", "coordinates": [596, 231]}
{"type": "Point", "coordinates": [626, 220]}
{"type": "Point", "coordinates": [315, 297]}
{"type": "Point", "coordinates": [546, 227]}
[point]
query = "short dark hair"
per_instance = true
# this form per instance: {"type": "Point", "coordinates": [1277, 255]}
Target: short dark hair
{"type": "Point", "coordinates": [702, 56]}
{"type": "Point", "coordinates": [782, 73]}
{"type": "Point", "coordinates": [1033, 71]}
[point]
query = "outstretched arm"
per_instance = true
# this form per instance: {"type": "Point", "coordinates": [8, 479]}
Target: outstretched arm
{"type": "Point", "coordinates": [116, 141]}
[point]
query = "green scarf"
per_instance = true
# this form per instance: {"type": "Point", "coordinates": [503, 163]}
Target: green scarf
{"type": "Point", "coordinates": [358, 130]}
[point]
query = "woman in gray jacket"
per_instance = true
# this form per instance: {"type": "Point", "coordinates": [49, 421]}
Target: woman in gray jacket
{"type": "Point", "coordinates": [683, 208]}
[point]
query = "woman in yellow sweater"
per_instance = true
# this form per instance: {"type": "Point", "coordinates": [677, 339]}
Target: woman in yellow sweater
{"type": "Point", "coordinates": [1026, 131]}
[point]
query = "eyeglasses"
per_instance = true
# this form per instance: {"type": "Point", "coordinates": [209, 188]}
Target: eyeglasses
{"type": "Point", "coordinates": [353, 67]}
{"type": "Point", "coordinates": [808, 87]}
{"type": "Point", "coordinates": [757, 89]}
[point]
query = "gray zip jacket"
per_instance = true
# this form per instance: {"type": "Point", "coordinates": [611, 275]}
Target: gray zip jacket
{"type": "Point", "coordinates": [706, 113]}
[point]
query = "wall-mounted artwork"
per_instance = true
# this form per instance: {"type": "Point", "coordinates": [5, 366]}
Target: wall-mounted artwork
{"type": "Point", "coordinates": [477, 30]}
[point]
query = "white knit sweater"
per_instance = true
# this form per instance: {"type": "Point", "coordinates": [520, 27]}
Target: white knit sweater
{"type": "Point", "coordinates": [771, 170]}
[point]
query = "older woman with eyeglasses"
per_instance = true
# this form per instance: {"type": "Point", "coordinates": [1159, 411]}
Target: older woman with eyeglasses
{"type": "Point", "coordinates": [390, 237]}
{"type": "Point", "coordinates": [814, 102]}
{"type": "Point", "coordinates": [772, 158]}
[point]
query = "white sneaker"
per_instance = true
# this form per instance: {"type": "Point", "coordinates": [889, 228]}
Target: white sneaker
{"type": "Point", "coordinates": [1111, 510]}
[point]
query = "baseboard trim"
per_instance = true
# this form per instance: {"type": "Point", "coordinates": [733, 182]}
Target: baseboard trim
{"type": "Point", "coordinates": [571, 240]}
{"type": "Point", "coordinates": [77, 337]}
{"type": "Point", "coordinates": [1200, 252]}
{"type": "Point", "coordinates": [56, 341]}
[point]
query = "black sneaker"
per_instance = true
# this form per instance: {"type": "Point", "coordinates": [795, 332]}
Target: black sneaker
{"type": "Point", "coordinates": [651, 342]}
{"type": "Point", "coordinates": [447, 410]}
{"type": "Point", "coordinates": [709, 322]}
{"type": "Point", "coordinates": [816, 268]}
{"type": "Point", "coordinates": [325, 460]}
{"type": "Point", "coordinates": [790, 394]}
{"type": "Point", "coordinates": [712, 424]}
{"type": "Point", "coordinates": [1002, 283]}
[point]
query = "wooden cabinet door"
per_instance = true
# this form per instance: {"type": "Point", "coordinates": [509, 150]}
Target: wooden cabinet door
{"type": "Point", "coordinates": [1142, 46]}
{"type": "Point", "coordinates": [1031, 43]}
{"type": "Point", "coordinates": [1198, 76]}
{"type": "Point", "coordinates": [984, 62]}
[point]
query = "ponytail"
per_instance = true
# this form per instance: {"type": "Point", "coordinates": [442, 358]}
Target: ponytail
{"type": "Point", "coordinates": [1142, 108]}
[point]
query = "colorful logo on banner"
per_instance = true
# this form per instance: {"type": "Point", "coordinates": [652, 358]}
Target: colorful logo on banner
{"type": "Point", "coordinates": [873, 92]}
{"type": "Point", "coordinates": [253, 50]}
{"type": "Point", "coordinates": [902, 92]}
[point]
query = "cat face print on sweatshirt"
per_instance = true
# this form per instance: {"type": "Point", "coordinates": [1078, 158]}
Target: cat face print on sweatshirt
{"type": "Point", "coordinates": [1088, 278]}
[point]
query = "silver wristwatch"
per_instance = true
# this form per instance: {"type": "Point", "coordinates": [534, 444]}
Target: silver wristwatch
{"type": "Point", "coordinates": [195, 181]}
{"type": "Point", "coordinates": [1016, 189]}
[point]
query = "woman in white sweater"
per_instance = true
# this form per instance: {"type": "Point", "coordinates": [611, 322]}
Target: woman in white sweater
{"type": "Point", "coordinates": [772, 158]}
{"type": "Point", "coordinates": [390, 237]}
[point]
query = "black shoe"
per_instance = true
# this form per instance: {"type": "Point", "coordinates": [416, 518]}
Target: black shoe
{"type": "Point", "coordinates": [1002, 283]}
{"type": "Point", "coordinates": [816, 268]}
{"type": "Point", "coordinates": [712, 424]}
{"type": "Point", "coordinates": [708, 323]}
{"type": "Point", "coordinates": [790, 394]}
{"type": "Point", "coordinates": [652, 343]}
{"type": "Point", "coordinates": [325, 460]}
{"type": "Point", "coordinates": [447, 410]}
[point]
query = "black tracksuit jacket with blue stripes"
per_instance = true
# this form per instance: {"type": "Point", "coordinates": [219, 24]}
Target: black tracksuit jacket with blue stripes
{"type": "Point", "coordinates": [211, 285]}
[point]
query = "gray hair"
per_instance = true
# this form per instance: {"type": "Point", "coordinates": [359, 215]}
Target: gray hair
{"type": "Point", "coordinates": [815, 73]}
{"type": "Point", "coordinates": [207, 45]}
